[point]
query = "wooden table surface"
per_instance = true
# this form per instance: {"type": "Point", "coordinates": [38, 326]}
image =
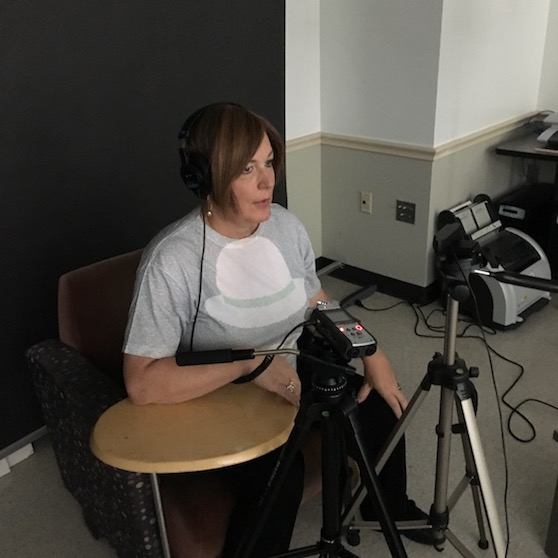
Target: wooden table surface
{"type": "Point", "coordinates": [231, 425]}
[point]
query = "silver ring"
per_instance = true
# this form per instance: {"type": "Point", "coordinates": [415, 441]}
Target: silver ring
{"type": "Point", "coordinates": [291, 386]}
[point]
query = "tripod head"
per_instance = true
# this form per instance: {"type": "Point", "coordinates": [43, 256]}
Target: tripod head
{"type": "Point", "coordinates": [332, 338]}
{"type": "Point", "coordinates": [456, 257]}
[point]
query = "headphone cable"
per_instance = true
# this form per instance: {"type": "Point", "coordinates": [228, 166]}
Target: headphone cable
{"type": "Point", "coordinates": [198, 304]}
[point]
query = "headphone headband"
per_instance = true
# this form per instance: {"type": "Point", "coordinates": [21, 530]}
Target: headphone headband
{"type": "Point", "coordinates": [195, 169]}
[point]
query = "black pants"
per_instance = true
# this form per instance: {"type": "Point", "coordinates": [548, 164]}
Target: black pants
{"type": "Point", "coordinates": [376, 420]}
{"type": "Point", "coordinates": [250, 479]}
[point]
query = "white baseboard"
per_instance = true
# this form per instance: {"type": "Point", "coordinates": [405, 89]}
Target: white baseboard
{"type": "Point", "coordinates": [14, 458]}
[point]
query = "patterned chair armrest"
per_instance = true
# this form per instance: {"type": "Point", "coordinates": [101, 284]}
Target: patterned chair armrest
{"type": "Point", "coordinates": [89, 389]}
{"type": "Point", "coordinates": [74, 393]}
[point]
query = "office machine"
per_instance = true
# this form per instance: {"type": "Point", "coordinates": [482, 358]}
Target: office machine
{"type": "Point", "coordinates": [533, 209]}
{"type": "Point", "coordinates": [493, 247]}
{"type": "Point", "coordinates": [550, 136]}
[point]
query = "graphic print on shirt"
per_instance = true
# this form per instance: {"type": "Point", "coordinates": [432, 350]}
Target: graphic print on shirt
{"type": "Point", "coordinates": [255, 285]}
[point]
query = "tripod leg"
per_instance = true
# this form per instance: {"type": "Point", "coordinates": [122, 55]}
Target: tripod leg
{"type": "Point", "coordinates": [482, 469]}
{"type": "Point", "coordinates": [472, 480]}
{"type": "Point", "coordinates": [402, 424]}
{"type": "Point", "coordinates": [439, 511]}
{"type": "Point", "coordinates": [302, 424]}
{"type": "Point", "coordinates": [371, 481]}
{"type": "Point", "coordinates": [331, 470]}
{"type": "Point", "coordinates": [390, 444]}
{"type": "Point", "coordinates": [333, 460]}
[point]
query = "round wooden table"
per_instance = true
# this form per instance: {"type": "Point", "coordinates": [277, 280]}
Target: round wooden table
{"type": "Point", "coordinates": [231, 425]}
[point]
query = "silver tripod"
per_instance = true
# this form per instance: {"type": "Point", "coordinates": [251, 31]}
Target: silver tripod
{"type": "Point", "coordinates": [451, 374]}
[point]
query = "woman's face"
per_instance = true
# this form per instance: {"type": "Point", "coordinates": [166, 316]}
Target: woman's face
{"type": "Point", "coordinates": [253, 193]}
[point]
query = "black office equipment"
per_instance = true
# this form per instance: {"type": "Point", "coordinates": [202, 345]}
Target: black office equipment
{"type": "Point", "coordinates": [532, 209]}
{"type": "Point", "coordinates": [491, 246]}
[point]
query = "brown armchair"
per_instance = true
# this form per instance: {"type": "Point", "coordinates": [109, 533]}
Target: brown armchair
{"type": "Point", "coordinates": [77, 378]}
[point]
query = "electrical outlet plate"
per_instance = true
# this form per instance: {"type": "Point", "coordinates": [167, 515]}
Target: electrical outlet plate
{"type": "Point", "coordinates": [405, 212]}
{"type": "Point", "coordinates": [366, 202]}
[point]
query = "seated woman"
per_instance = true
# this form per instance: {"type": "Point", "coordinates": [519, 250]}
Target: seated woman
{"type": "Point", "coordinates": [239, 273]}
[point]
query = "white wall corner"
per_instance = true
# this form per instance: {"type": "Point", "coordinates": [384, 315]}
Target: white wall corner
{"type": "Point", "coordinates": [302, 63]}
{"type": "Point", "coordinates": [548, 95]}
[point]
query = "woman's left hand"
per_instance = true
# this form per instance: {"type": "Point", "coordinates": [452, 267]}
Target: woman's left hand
{"type": "Point", "coordinates": [379, 375]}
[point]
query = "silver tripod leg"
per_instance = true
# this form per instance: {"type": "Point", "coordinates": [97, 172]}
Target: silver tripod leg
{"type": "Point", "coordinates": [439, 506]}
{"type": "Point", "coordinates": [470, 479]}
{"type": "Point", "coordinates": [456, 387]}
{"type": "Point", "coordinates": [473, 439]}
{"type": "Point", "coordinates": [385, 453]}
{"type": "Point", "coordinates": [476, 463]}
{"type": "Point", "coordinates": [484, 479]}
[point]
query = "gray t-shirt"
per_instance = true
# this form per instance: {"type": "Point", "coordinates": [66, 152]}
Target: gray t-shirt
{"type": "Point", "coordinates": [254, 290]}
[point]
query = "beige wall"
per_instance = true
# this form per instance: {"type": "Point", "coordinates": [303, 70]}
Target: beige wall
{"type": "Point", "coordinates": [304, 187]}
{"type": "Point", "coordinates": [333, 172]}
{"type": "Point", "coordinates": [396, 100]}
{"type": "Point", "coordinates": [375, 242]}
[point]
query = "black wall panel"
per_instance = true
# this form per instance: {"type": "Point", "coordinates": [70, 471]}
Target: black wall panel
{"type": "Point", "coordinates": [93, 95]}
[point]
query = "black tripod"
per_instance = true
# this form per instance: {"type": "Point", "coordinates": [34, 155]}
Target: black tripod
{"type": "Point", "coordinates": [453, 376]}
{"type": "Point", "coordinates": [329, 403]}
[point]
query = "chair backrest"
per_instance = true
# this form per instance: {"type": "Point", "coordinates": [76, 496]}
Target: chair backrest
{"type": "Point", "coordinates": [93, 303]}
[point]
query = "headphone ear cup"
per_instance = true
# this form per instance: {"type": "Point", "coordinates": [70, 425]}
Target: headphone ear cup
{"type": "Point", "coordinates": [195, 168]}
{"type": "Point", "coordinates": [196, 173]}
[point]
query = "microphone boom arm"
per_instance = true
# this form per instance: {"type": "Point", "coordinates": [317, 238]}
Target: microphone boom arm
{"type": "Point", "coordinates": [520, 280]}
{"type": "Point", "coordinates": [231, 355]}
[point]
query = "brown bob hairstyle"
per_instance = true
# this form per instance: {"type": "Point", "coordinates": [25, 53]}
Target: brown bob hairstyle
{"type": "Point", "coordinates": [228, 135]}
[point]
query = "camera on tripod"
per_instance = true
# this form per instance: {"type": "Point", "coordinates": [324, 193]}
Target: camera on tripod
{"type": "Point", "coordinates": [344, 333]}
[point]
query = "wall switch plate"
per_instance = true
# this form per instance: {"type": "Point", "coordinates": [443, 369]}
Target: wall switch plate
{"type": "Point", "coordinates": [366, 202]}
{"type": "Point", "coordinates": [405, 211]}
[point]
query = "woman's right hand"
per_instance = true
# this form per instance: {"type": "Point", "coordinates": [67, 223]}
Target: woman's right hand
{"type": "Point", "coordinates": [281, 378]}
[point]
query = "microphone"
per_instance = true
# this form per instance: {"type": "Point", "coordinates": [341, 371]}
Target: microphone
{"type": "Point", "coordinates": [526, 281]}
{"type": "Point", "coordinates": [214, 357]}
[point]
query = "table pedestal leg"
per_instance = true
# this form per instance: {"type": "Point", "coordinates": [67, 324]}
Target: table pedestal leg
{"type": "Point", "coordinates": [160, 515]}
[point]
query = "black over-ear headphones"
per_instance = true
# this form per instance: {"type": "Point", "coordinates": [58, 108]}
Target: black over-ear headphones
{"type": "Point", "coordinates": [195, 169]}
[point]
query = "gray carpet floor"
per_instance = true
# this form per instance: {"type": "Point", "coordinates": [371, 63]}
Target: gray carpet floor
{"type": "Point", "coordinates": [38, 517]}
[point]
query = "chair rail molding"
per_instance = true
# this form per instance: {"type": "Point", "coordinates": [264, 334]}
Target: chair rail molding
{"type": "Point", "coordinates": [409, 151]}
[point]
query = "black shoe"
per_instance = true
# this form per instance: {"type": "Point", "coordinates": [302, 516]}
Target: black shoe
{"type": "Point", "coordinates": [414, 513]}
{"type": "Point", "coordinates": [411, 513]}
